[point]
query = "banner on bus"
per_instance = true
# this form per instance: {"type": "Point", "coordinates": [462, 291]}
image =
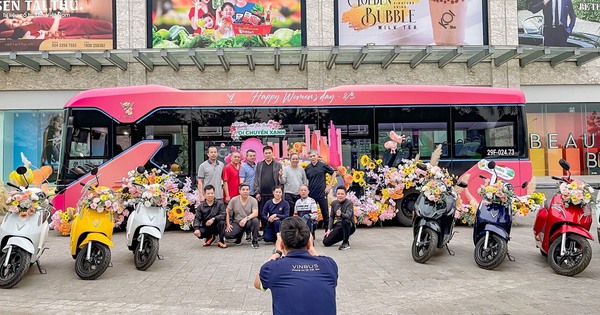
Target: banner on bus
{"type": "Point", "coordinates": [226, 23]}
{"type": "Point", "coordinates": [576, 24]}
{"type": "Point", "coordinates": [31, 25]}
{"type": "Point", "coordinates": [407, 22]}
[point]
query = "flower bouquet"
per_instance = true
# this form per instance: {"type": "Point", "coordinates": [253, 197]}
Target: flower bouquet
{"type": "Point", "coordinates": [522, 205]}
{"type": "Point", "coordinates": [101, 199]}
{"type": "Point", "coordinates": [465, 213]}
{"type": "Point", "coordinates": [497, 192]}
{"type": "Point", "coordinates": [576, 193]}
{"type": "Point", "coordinates": [26, 202]}
{"type": "Point", "coordinates": [61, 220]}
{"type": "Point", "coordinates": [434, 190]}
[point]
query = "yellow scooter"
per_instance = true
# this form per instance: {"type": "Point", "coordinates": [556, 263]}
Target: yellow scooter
{"type": "Point", "coordinates": [92, 229]}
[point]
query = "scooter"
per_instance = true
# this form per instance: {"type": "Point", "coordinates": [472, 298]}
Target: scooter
{"type": "Point", "coordinates": [23, 233]}
{"type": "Point", "coordinates": [433, 222]}
{"type": "Point", "coordinates": [91, 231]}
{"type": "Point", "coordinates": [561, 231]}
{"type": "Point", "coordinates": [145, 227]}
{"type": "Point", "coordinates": [491, 231]}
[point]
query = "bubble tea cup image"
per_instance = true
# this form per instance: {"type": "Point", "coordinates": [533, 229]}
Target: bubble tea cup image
{"type": "Point", "coordinates": [448, 19]}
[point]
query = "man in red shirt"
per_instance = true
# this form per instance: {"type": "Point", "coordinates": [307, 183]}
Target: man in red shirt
{"type": "Point", "coordinates": [231, 177]}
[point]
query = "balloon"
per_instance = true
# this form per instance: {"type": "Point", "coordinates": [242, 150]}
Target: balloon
{"type": "Point", "coordinates": [21, 180]}
{"type": "Point", "coordinates": [391, 145]}
{"type": "Point", "coordinates": [40, 175]}
{"type": "Point", "coordinates": [256, 145]}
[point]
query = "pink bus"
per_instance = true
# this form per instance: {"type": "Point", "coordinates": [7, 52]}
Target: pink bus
{"type": "Point", "coordinates": [118, 129]}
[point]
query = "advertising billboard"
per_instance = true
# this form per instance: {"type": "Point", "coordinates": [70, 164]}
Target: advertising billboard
{"type": "Point", "coordinates": [409, 22]}
{"type": "Point", "coordinates": [559, 23]}
{"type": "Point", "coordinates": [226, 23]}
{"type": "Point", "coordinates": [31, 25]}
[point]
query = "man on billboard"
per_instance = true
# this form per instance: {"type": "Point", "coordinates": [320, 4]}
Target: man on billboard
{"type": "Point", "coordinates": [556, 12]}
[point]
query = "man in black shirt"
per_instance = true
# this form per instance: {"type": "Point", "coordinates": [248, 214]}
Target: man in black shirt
{"type": "Point", "coordinates": [265, 178]}
{"type": "Point", "coordinates": [341, 221]}
{"type": "Point", "coordinates": [315, 172]}
{"type": "Point", "coordinates": [210, 218]}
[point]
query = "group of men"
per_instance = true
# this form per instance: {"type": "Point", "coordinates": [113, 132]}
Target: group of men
{"type": "Point", "coordinates": [240, 198]}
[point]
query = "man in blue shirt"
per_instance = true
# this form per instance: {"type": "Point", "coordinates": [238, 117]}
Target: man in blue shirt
{"type": "Point", "coordinates": [301, 281]}
{"type": "Point", "coordinates": [248, 170]}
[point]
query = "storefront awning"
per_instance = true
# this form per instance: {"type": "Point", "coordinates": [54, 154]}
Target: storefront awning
{"type": "Point", "coordinates": [298, 56]}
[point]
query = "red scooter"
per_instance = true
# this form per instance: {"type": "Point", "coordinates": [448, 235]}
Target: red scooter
{"type": "Point", "coordinates": [562, 232]}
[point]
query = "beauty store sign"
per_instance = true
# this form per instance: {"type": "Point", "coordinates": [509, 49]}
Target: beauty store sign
{"type": "Point", "coordinates": [410, 22]}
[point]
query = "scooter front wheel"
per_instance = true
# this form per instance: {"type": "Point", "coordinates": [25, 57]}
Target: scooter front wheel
{"type": "Point", "coordinates": [18, 264]}
{"type": "Point", "coordinates": [145, 257]}
{"type": "Point", "coordinates": [423, 248]}
{"type": "Point", "coordinates": [493, 256]}
{"type": "Point", "coordinates": [98, 263]}
{"type": "Point", "coordinates": [577, 256]}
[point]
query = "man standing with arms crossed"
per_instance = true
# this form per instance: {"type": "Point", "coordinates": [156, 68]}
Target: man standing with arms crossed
{"type": "Point", "coordinates": [210, 173]}
{"type": "Point", "coordinates": [266, 177]}
{"type": "Point", "coordinates": [315, 172]}
{"type": "Point", "coordinates": [292, 177]}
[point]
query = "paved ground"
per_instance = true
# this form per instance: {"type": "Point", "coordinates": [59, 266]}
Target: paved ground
{"type": "Point", "coordinates": [377, 276]}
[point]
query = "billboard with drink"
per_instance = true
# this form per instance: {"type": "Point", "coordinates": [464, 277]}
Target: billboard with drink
{"type": "Point", "coordinates": [29, 25]}
{"type": "Point", "coordinates": [226, 23]}
{"type": "Point", "coordinates": [407, 22]}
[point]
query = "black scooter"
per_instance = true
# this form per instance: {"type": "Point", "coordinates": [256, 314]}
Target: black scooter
{"type": "Point", "coordinates": [433, 223]}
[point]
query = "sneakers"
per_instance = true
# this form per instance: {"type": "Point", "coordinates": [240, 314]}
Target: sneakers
{"type": "Point", "coordinates": [255, 244]}
{"type": "Point", "coordinates": [209, 241]}
{"type": "Point", "coordinates": [222, 245]}
{"type": "Point", "coordinates": [344, 246]}
{"type": "Point", "coordinates": [238, 241]}
{"type": "Point", "coordinates": [248, 236]}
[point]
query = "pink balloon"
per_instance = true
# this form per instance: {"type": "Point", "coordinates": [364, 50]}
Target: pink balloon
{"type": "Point", "coordinates": [254, 144]}
{"type": "Point", "coordinates": [391, 145]}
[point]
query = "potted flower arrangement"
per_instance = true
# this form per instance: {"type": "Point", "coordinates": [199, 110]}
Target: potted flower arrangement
{"type": "Point", "coordinates": [181, 202]}
{"type": "Point", "coordinates": [61, 221]}
{"type": "Point", "coordinates": [380, 186]}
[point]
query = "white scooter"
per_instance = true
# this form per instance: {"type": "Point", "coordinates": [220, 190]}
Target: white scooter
{"type": "Point", "coordinates": [23, 237]}
{"type": "Point", "coordinates": [145, 226]}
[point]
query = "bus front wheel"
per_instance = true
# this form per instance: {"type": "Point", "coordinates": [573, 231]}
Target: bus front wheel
{"type": "Point", "coordinates": [405, 207]}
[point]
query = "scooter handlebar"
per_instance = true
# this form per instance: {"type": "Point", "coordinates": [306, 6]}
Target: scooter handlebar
{"type": "Point", "coordinates": [13, 185]}
{"type": "Point", "coordinates": [557, 178]}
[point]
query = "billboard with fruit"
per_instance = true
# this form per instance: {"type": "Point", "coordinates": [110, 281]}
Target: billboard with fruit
{"type": "Point", "coordinates": [226, 23]}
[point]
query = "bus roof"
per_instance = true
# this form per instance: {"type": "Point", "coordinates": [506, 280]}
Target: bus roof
{"type": "Point", "coordinates": [128, 104]}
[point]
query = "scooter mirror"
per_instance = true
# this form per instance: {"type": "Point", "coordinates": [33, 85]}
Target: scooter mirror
{"type": "Point", "coordinates": [95, 171]}
{"type": "Point", "coordinates": [422, 166]}
{"type": "Point", "coordinates": [491, 165]}
{"type": "Point", "coordinates": [462, 184]}
{"type": "Point", "coordinates": [564, 164]}
{"type": "Point", "coordinates": [524, 184]}
{"type": "Point", "coordinates": [180, 186]}
{"type": "Point", "coordinates": [140, 169]}
{"type": "Point", "coordinates": [21, 170]}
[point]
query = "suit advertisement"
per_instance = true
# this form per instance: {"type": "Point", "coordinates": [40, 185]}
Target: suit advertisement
{"type": "Point", "coordinates": [402, 22]}
{"type": "Point", "coordinates": [559, 23]}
